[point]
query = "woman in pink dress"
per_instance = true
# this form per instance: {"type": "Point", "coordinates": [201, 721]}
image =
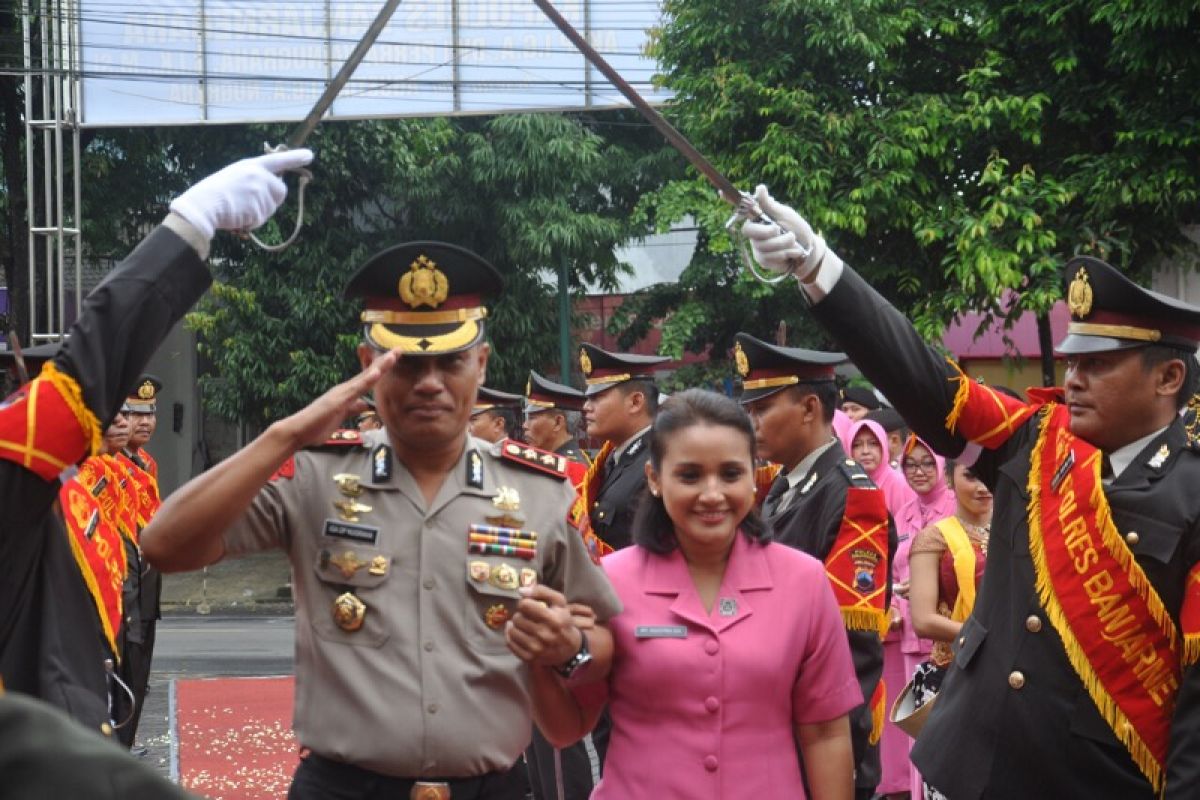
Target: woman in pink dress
{"type": "Point", "coordinates": [729, 664]}
{"type": "Point", "coordinates": [869, 447]}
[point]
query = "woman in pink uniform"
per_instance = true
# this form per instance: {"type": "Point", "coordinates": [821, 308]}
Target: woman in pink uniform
{"type": "Point", "coordinates": [730, 663]}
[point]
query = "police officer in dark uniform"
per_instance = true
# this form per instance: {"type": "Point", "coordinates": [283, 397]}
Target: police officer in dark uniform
{"type": "Point", "coordinates": [50, 635]}
{"type": "Point", "coordinates": [1074, 675]}
{"type": "Point", "coordinates": [495, 415]}
{"type": "Point", "coordinates": [791, 394]}
{"type": "Point", "coordinates": [621, 401]}
{"type": "Point", "coordinates": [551, 412]}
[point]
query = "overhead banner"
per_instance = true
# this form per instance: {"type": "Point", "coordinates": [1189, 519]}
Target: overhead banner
{"type": "Point", "coordinates": [177, 62]}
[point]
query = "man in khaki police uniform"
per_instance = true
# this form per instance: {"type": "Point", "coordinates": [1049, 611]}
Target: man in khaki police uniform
{"type": "Point", "coordinates": [408, 546]}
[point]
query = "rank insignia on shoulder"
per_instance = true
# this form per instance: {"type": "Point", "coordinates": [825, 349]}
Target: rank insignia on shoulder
{"type": "Point", "coordinates": [474, 470]}
{"type": "Point", "coordinates": [542, 461]}
{"type": "Point", "coordinates": [855, 473]}
{"type": "Point", "coordinates": [287, 470]}
{"type": "Point", "coordinates": [343, 437]}
{"type": "Point", "coordinates": [381, 463]}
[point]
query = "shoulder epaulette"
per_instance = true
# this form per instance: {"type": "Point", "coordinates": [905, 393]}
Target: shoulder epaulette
{"type": "Point", "coordinates": [343, 437]}
{"type": "Point", "coordinates": [855, 474]}
{"type": "Point", "coordinates": [532, 458]}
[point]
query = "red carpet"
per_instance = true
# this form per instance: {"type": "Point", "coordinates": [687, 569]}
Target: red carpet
{"type": "Point", "coordinates": [235, 737]}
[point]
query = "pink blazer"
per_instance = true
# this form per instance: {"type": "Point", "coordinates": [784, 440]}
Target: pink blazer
{"type": "Point", "coordinates": [703, 705]}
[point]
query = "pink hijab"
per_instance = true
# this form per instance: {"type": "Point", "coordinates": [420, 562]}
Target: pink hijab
{"type": "Point", "coordinates": [922, 510]}
{"type": "Point", "coordinates": [895, 489]}
{"type": "Point", "coordinates": [841, 428]}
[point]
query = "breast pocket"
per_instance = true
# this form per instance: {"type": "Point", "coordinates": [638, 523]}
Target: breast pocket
{"type": "Point", "coordinates": [493, 592]}
{"type": "Point", "coordinates": [351, 581]}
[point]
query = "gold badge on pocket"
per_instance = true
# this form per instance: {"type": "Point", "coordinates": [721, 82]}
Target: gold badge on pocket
{"type": "Point", "coordinates": [480, 571]}
{"type": "Point", "coordinates": [349, 612]}
{"type": "Point", "coordinates": [528, 577]}
{"type": "Point", "coordinates": [504, 577]}
{"type": "Point", "coordinates": [496, 616]}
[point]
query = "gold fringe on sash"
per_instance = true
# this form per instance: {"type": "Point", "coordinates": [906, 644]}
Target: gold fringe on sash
{"type": "Point", "coordinates": [961, 395]}
{"type": "Point", "coordinates": [879, 706]}
{"type": "Point", "coordinates": [1191, 649]}
{"type": "Point", "coordinates": [72, 395]}
{"type": "Point", "coordinates": [866, 619]}
{"type": "Point", "coordinates": [1113, 716]}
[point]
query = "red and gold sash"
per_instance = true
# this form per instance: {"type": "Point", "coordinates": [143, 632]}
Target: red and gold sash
{"type": "Point", "coordinates": [1118, 636]}
{"type": "Point", "coordinates": [585, 496]}
{"type": "Point", "coordinates": [99, 552]}
{"type": "Point", "coordinates": [151, 464]}
{"type": "Point", "coordinates": [45, 426]}
{"type": "Point", "coordinates": [144, 488]}
{"type": "Point", "coordinates": [1189, 618]}
{"type": "Point", "coordinates": [764, 476]}
{"type": "Point", "coordinates": [857, 564]}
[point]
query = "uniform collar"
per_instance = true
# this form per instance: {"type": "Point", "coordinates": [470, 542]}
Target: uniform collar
{"type": "Point", "coordinates": [619, 451]}
{"type": "Point", "coordinates": [807, 463]}
{"type": "Point", "coordinates": [747, 571]}
{"type": "Point", "coordinates": [1122, 457]}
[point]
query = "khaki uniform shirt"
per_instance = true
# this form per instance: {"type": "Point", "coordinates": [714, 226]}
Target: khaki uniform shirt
{"type": "Point", "coordinates": [426, 687]}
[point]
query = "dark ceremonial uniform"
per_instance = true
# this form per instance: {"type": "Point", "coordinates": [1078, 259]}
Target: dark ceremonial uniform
{"type": "Point", "coordinates": [50, 636]}
{"type": "Point", "coordinates": [144, 582]}
{"type": "Point", "coordinates": [1015, 717]}
{"type": "Point", "coordinates": [810, 513]}
{"type": "Point", "coordinates": [403, 673]}
{"type": "Point", "coordinates": [613, 497]}
{"type": "Point", "coordinates": [43, 754]}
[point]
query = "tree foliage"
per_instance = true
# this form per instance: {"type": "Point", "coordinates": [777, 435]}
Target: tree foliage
{"type": "Point", "coordinates": [950, 151]}
{"type": "Point", "coordinates": [524, 191]}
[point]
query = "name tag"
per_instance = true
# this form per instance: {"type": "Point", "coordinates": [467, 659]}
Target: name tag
{"type": "Point", "coordinates": [661, 631]}
{"type": "Point", "coordinates": [355, 533]}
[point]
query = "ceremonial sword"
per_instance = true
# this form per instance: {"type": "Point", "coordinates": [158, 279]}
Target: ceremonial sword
{"type": "Point", "coordinates": [306, 126]}
{"type": "Point", "coordinates": [747, 208]}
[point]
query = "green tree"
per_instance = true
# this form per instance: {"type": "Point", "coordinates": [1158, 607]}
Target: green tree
{"type": "Point", "coordinates": [949, 151]}
{"type": "Point", "coordinates": [524, 191]}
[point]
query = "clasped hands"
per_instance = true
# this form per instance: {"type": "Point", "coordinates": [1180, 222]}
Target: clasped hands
{"type": "Point", "coordinates": [547, 629]}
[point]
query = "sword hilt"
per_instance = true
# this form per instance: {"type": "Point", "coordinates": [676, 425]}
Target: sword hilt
{"type": "Point", "coordinates": [304, 178]}
{"type": "Point", "coordinates": [749, 209]}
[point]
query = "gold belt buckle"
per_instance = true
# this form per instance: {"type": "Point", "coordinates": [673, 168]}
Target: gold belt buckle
{"type": "Point", "coordinates": [422, 790]}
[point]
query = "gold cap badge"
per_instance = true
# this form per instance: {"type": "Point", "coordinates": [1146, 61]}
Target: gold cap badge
{"type": "Point", "coordinates": [740, 361]}
{"type": "Point", "coordinates": [424, 284]}
{"type": "Point", "coordinates": [1079, 295]}
{"type": "Point", "coordinates": [585, 363]}
{"type": "Point", "coordinates": [146, 391]}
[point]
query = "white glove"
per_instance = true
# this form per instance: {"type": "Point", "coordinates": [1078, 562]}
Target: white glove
{"type": "Point", "coordinates": [777, 247]}
{"type": "Point", "coordinates": [242, 196]}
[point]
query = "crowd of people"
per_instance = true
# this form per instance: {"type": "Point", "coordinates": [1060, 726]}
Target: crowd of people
{"type": "Point", "coordinates": [760, 595]}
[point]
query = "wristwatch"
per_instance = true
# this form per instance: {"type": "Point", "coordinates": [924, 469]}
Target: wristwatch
{"type": "Point", "coordinates": [575, 664]}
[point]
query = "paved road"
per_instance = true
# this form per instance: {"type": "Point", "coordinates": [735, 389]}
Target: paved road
{"type": "Point", "coordinates": [199, 647]}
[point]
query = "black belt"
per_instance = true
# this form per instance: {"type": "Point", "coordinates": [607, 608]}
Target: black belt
{"type": "Point", "coordinates": [367, 783]}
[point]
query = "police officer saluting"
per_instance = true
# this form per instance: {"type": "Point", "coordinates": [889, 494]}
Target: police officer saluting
{"type": "Point", "coordinates": [1075, 675]}
{"type": "Point", "coordinates": [824, 503]}
{"type": "Point", "coordinates": [408, 546]}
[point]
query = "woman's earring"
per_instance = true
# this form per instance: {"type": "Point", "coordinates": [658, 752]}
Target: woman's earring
{"type": "Point", "coordinates": [654, 492]}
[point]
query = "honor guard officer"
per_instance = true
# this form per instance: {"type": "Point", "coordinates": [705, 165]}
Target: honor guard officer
{"type": "Point", "coordinates": [552, 417]}
{"type": "Point", "coordinates": [51, 640]}
{"type": "Point", "coordinates": [1074, 675]}
{"type": "Point", "coordinates": [621, 400]}
{"type": "Point", "coordinates": [408, 545]}
{"type": "Point", "coordinates": [143, 582]}
{"type": "Point", "coordinates": [824, 503]}
{"type": "Point", "coordinates": [495, 415]}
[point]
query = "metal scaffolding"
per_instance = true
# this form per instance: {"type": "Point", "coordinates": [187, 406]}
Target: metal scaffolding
{"type": "Point", "coordinates": [52, 164]}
